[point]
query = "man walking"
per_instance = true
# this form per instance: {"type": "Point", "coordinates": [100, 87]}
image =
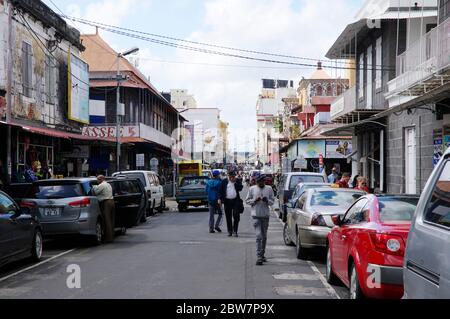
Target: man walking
{"type": "Point", "coordinates": [213, 189]}
{"type": "Point", "coordinates": [230, 197]}
{"type": "Point", "coordinates": [104, 193]}
{"type": "Point", "coordinates": [260, 197]}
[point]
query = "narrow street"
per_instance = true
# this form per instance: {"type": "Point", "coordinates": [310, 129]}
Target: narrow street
{"type": "Point", "coordinates": [173, 256]}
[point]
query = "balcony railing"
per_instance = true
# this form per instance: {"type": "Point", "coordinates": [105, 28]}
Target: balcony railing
{"type": "Point", "coordinates": [428, 56]}
{"type": "Point", "coordinates": [344, 104]}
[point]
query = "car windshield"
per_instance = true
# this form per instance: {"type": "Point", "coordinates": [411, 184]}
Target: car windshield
{"type": "Point", "coordinates": [334, 198]}
{"type": "Point", "coordinates": [139, 176]}
{"type": "Point", "coordinates": [56, 191]}
{"type": "Point", "coordinates": [397, 209]}
{"type": "Point", "coordinates": [197, 181]}
{"type": "Point", "coordinates": [297, 179]}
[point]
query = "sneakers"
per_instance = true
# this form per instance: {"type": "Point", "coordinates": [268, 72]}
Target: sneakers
{"type": "Point", "coordinates": [259, 262]}
{"type": "Point", "coordinates": [218, 229]}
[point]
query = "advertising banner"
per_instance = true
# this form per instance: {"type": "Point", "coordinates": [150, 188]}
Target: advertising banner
{"type": "Point", "coordinates": [338, 148]}
{"type": "Point", "coordinates": [311, 148]}
{"type": "Point", "coordinates": [78, 88]}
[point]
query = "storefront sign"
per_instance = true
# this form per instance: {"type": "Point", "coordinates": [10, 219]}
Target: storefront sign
{"type": "Point", "coordinates": [140, 160]}
{"type": "Point", "coordinates": [438, 150]}
{"type": "Point", "coordinates": [311, 148]}
{"type": "Point", "coordinates": [110, 131]}
{"type": "Point", "coordinates": [301, 163]}
{"type": "Point", "coordinates": [338, 148]}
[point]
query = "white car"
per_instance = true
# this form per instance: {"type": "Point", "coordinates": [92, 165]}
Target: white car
{"type": "Point", "coordinates": [153, 187]}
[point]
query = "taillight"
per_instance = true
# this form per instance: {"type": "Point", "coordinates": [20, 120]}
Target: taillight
{"type": "Point", "coordinates": [29, 205]}
{"type": "Point", "coordinates": [85, 202]}
{"type": "Point", "coordinates": [318, 220]}
{"type": "Point", "coordinates": [389, 244]}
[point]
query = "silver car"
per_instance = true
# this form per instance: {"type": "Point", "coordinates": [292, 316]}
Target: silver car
{"type": "Point", "coordinates": [309, 221]}
{"type": "Point", "coordinates": [427, 259]}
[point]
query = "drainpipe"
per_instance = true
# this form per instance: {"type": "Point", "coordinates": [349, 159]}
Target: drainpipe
{"type": "Point", "coordinates": [9, 95]}
{"type": "Point", "coordinates": [382, 161]}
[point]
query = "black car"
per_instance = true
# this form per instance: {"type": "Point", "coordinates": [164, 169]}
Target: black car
{"type": "Point", "coordinates": [20, 232]}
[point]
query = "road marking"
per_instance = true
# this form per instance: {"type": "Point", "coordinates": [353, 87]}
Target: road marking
{"type": "Point", "coordinates": [37, 265]}
{"type": "Point", "coordinates": [301, 291]}
{"type": "Point", "coordinates": [191, 242]}
{"type": "Point", "coordinates": [329, 288]}
{"type": "Point", "coordinates": [294, 276]}
{"type": "Point", "coordinates": [280, 247]}
{"type": "Point", "coordinates": [284, 260]}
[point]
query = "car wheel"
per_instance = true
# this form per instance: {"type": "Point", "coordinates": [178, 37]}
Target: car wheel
{"type": "Point", "coordinates": [287, 239]}
{"type": "Point", "coordinates": [301, 253]}
{"type": "Point", "coordinates": [355, 287]}
{"type": "Point", "coordinates": [36, 248]}
{"type": "Point", "coordinates": [97, 239]}
{"type": "Point", "coordinates": [181, 208]}
{"type": "Point", "coordinates": [330, 275]}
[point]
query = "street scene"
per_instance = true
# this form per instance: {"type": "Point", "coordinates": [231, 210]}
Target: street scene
{"type": "Point", "coordinates": [225, 156]}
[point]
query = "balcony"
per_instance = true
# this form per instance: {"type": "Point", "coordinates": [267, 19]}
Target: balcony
{"type": "Point", "coordinates": [423, 66]}
{"type": "Point", "coordinates": [344, 109]}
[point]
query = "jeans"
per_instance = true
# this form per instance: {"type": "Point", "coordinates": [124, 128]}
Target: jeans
{"type": "Point", "coordinates": [261, 226]}
{"type": "Point", "coordinates": [214, 208]}
{"type": "Point", "coordinates": [232, 215]}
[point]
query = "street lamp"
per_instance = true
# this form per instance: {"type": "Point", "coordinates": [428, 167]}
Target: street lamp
{"type": "Point", "coordinates": [119, 56]}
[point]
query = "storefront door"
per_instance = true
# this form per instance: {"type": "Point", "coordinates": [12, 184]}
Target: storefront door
{"type": "Point", "coordinates": [410, 161]}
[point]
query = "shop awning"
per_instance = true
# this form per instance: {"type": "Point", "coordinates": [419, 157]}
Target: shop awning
{"type": "Point", "coordinates": [351, 129]}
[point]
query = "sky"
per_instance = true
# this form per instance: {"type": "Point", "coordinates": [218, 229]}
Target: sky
{"type": "Point", "coordinates": [305, 28]}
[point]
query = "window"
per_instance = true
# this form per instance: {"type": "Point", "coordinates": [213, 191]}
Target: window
{"type": "Point", "coordinates": [438, 208]}
{"type": "Point", "coordinates": [378, 64]}
{"type": "Point", "coordinates": [297, 179]}
{"type": "Point", "coordinates": [58, 191]}
{"type": "Point", "coordinates": [27, 69]}
{"type": "Point", "coordinates": [357, 213]}
{"type": "Point", "coordinates": [50, 79]}
{"type": "Point", "coordinates": [361, 75]}
{"type": "Point", "coordinates": [7, 206]}
{"type": "Point", "coordinates": [301, 202]}
{"type": "Point", "coordinates": [397, 209]}
{"type": "Point", "coordinates": [333, 198]}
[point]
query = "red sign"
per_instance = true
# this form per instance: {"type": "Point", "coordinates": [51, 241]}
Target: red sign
{"type": "Point", "coordinates": [110, 131]}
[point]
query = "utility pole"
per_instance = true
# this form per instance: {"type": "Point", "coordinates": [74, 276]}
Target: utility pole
{"type": "Point", "coordinates": [117, 115]}
{"type": "Point", "coordinates": [9, 95]}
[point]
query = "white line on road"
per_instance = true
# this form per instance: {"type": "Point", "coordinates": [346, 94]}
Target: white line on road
{"type": "Point", "coordinates": [330, 289]}
{"type": "Point", "coordinates": [37, 265]}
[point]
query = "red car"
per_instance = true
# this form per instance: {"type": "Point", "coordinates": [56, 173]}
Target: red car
{"type": "Point", "coordinates": [365, 249]}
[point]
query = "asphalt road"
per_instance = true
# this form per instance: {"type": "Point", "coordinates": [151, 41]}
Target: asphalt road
{"type": "Point", "coordinates": [173, 256]}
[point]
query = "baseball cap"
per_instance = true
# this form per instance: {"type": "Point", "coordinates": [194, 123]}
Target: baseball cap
{"type": "Point", "coordinates": [216, 173]}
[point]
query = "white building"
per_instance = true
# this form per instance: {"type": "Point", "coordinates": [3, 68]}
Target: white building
{"type": "Point", "coordinates": [182, 100]}
{"type": "Point", "coordinates": [269, 109]}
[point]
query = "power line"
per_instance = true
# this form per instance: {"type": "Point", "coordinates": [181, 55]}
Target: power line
{"type": "Point", "coordinates": [212, 52]}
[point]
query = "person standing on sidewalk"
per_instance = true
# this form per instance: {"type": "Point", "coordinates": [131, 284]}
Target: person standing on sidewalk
{"type": "Point", "coordinates": [104, 193]}
{"type": "Point", "coordinates": [260, 197]}
{"type": "Point", "coordinates": [213, 189]}
{"type": "Point", "coordinates": [231, 187]}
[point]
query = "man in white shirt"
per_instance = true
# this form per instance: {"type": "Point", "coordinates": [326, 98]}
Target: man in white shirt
{"type": "Point", "coordinates": [230, 198]}
{"type": "Point", "coordinates": [104, 193]}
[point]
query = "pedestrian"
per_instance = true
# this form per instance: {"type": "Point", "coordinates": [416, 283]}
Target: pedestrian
{"type": "Point", "coordinates": [362, 184]}
{"type": "Point", "coordinates": [343, 183]}
{"type": "Point", "coordinates": [260, 197]}
{"type": "Point", "coordinates": [32, 172]}
{"type": "Point", "coordinates": [231, 199]}
{"type": "Point", "coordinates": [355, 181]}
{"type": "Point", "coordinates": [104, 193]}
{"type": "Point", "coordinates": [213, 189]}
{"type": "Point", "coordinates": [333, 177]}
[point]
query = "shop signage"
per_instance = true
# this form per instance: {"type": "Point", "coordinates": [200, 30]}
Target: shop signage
{"type": "Point", "coordinates": [110, 131]}
{"type": "Point", "coordinates": [301, 163]}
{"type": "Point", "coordinates": [338, 148]}
{"type": "Point", "coordinates": [311, 148]}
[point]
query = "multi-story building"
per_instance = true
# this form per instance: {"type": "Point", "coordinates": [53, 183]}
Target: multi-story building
{"type": "Point", "coordinates": [387, 44]}
{"type": "Point", "coordinates": [181, 99]}
{"type": "Point", "coordinates": [44, 92]}
{"type": "Point", "coordinates": [148, 120]}
{"type": "Point", "coordinates": [269, 112]}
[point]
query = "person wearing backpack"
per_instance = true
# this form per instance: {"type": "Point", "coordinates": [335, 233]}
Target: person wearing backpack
{"type": "Point", "coordinates": [214, 189]}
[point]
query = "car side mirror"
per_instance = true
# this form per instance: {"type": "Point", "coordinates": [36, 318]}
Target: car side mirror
{"type": "Point", "coordinates": [336, 220]}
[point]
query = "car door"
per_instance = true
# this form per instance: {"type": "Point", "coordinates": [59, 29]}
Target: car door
{"type": "Point", "coordinates": [341, 239]}
{"type": "Point", "coordinates": [153, 189]}
{"type": "Point", "coordinates": [427, 258]}
{"type": "Point", "coordinates": [299, 213]}
{"type": "Point", "coordinates": [11, 236]}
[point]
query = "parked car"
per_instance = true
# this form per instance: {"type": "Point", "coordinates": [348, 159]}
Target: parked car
{"type": "Point", "coordinates": [427, 259]}
{"type": "Point", "coordinates": [192, 192]}
{"type": "Point", "coordinates": [153, 187]}
{"type": "Point", "coordinates": [20, 232]}
{"type": "Point", "coordinates": [68, 207]}
{"type": "Point", "coordinates": [288, 183]}
{"type": "Point", "coordinates": [309, 222]}
{"type": "Point", "coordinates": [298, 191]}
{"type": "Point", "coordinates": [369, 242]}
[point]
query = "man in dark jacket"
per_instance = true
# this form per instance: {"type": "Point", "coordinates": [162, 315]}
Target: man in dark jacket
{"type": "Point", "coordinates": [213, 189]}
{"type": "Point", "coordinates": [231, 187]}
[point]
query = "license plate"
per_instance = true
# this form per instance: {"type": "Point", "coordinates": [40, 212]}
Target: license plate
{"type": "Point", "coordinates": [52, 212]}
{"type": "Point", "coordinates": [195, 201]}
